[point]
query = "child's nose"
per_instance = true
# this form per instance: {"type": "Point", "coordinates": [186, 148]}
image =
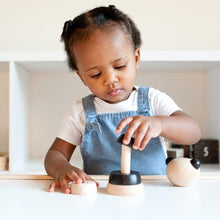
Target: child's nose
{"type": "Point", "coordinates": [110, 79]}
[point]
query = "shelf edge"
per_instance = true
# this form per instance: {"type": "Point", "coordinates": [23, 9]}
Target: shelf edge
{"type": "Point", "coordinates": [96, 177]}
{"type": "Point", "coordinates": [26, 56]}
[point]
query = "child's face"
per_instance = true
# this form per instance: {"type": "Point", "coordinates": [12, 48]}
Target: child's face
{"type": "Point", "coordinates": [107, 64]}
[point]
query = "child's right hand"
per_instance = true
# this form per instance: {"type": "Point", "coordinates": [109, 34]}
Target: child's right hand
{"type": "Point", "coordinates": [71, 174]}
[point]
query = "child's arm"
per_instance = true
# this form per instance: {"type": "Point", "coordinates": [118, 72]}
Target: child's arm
{"type": "Point", "coordinates": [57, 165]}
{"type": "Point", "coordinates": [177, 127]}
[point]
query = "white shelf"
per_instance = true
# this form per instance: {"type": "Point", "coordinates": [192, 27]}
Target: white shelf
{"type": "Point", "coordinates": [180, 61]}
{"type": "Point", "coordinates": [151, 61]}
{"type": "Point", "coordinates": [39, 81]}
{"type": "Point", "coordinates": [181, 55]}
{"type": "Point", "coordinates": [6, 56]}
{"type": "Point", "coordinates": [20, 56]}
{"type": "Point", "coordinates": [210, 168]}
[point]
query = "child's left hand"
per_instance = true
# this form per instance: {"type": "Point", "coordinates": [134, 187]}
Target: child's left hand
{"type": "Point", "coordinates": [142, 127]}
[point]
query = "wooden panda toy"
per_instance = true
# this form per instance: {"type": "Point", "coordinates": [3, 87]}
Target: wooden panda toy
{"type": "Point", "coordinates": [182, 171]}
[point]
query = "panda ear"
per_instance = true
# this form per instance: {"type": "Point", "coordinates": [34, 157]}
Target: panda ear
{"type": "Point", "coordinates": [195, 163]}
{"type": "Point", "coordinates": [169, 159]}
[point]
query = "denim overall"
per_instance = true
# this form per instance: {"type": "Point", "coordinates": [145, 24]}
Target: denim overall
{"type": "Point", "coordinates": [100, 150]}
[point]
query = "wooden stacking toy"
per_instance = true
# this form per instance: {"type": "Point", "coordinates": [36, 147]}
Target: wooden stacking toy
{"type": "Point", "coordinates": [182, 171]}
{"type": "Point", "coordinates": [86, 188]}
{"type": "Point", "coordinates": [125, 182]}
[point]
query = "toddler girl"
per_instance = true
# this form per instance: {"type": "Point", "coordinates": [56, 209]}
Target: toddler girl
{"type": "Point", "coordinates": [103, 48]}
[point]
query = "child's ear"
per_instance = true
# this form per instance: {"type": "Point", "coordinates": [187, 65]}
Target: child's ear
{"type": "Point", "coordinates": [137, 58]}
{"type": "Point", "coordinates": [78, 73]}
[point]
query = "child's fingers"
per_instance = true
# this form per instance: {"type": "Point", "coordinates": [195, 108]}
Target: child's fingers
{"type": "Point", "coordinates": [133, 125]}
{"type": "Point", "coordinates": [65, 186]}
{"type": "Point", "coordinates": [131, 130]}
{"type": "Point", "coordinates": [90, 178]}
{"type": "Point", "coordinates": [140, 136]}
{"type": "Point", "coordinates": [122, 124]}
{"type": "Point", "coordinates": [73, 176]}
{"type": "Point", "coordinates": [145, 141]}
{"type": "Point", "coordinates": [52, 187]}
{"type": "Point", "coordinates": [85, 177]}
{"type": "Point", "coordinates": [55, 184]}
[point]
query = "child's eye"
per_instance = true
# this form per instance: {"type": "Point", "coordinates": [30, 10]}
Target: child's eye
{"type": "Point", "coordinates": [96, 75]}
{"type": "Point", "coordinates": [120, 67]}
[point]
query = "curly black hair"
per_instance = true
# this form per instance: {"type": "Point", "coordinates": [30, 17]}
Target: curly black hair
{"type": "Point", "coordinates": [100, 18]}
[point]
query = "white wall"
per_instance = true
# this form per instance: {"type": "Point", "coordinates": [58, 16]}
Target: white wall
{"type": "Point", "coordinates": [51, 95]}
{"type": "Point", "coordinates": [213, 104]}
{"type": "Point", "coordinates": [165, 24]}
{"type": "Point", "coordinates": [186, 88]}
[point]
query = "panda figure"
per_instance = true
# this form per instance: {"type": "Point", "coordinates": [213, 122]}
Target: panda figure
{"type": "Point", "coordinates": [182, 171]}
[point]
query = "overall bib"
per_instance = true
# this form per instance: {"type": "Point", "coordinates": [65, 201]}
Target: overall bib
{"type": "Point", "coordinates": [100, 150]}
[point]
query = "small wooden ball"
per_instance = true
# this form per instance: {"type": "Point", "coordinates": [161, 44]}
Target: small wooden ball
{"type": "Point", "coordinates": [182, 171]}
{"type": "Point", "coordinates": [86, 188]}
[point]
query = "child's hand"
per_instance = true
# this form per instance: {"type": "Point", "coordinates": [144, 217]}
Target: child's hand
{"type": "Point", "coordinates": [142, 127]}
{"type": "Point", "coordinates": [71, 174]}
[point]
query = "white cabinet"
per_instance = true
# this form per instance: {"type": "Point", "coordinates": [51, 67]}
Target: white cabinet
{"type": "Point", "coordinates": [37, 88]}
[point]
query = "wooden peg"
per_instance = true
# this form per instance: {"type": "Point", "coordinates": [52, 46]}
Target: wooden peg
{"type": "Point", "coordinates": [125, 181]}
{"type": "Point", "coordinates": [125, 159]}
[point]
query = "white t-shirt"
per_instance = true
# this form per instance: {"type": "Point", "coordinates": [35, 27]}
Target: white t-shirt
{"type": "Point", "coordinates": [73, 126]}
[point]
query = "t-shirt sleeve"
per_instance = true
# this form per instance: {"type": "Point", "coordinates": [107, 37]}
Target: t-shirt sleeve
{"type": "Point", "coordinates": [70, 127]}
{"type": "Point", "coordinates": [161, 103]}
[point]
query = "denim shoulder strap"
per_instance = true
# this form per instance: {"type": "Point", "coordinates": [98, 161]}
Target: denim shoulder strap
{"type": "Point", "coordinates": [143, 100]}
{"type": "Point", "coordinates": [90, 113]}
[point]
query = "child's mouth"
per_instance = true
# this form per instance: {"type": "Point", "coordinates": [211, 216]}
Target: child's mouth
{"type": "Point", "coordinates": [114, 92]}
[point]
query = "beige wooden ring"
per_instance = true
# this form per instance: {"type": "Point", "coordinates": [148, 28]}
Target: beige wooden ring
{"type": "Point", "coordinates": [125, 190]}
{"type": "Point", "coordinates": [86, 188]}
